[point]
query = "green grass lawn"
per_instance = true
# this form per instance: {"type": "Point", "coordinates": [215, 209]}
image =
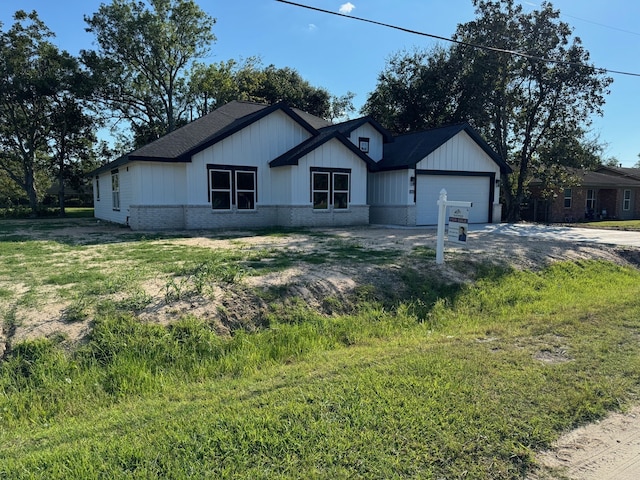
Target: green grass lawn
{"type": "Point", "coordinates": [632, 225]}
{"type": "Point", "coordinates": [468, 386]}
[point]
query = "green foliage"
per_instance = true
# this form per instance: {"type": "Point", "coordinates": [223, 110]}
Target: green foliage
{"type": "Point", "coordinates": [211, 86]}
{"type": "Point", "coordinates": [41, 114]}
{"type": "Point", "coordinates": [143, 54]}
{"type": "Point", "coordinates": [534, 113]}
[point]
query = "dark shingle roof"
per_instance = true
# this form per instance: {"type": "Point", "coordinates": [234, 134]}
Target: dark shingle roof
{"type": "Point", "coordinates": [621, 171]}
{"type": "Point", "coordinates": [407, 150]}
{"type": "Point", "coordinates": [295, 154]}
{"type": "Point", "coordinates": [599, 179]}
{"type": "Point", "coordinates": [181, 144]}
{"type": "Point", "coordinates": [350, 125]}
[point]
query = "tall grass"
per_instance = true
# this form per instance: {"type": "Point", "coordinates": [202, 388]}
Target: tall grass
{"type": "Point", "coordinates": [468, 386]}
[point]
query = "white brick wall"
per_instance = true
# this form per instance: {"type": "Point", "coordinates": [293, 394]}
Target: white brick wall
{"type": "Point", "coordinates": [172, 217]}
{"type": "Point", "coordinates": [393, 215]}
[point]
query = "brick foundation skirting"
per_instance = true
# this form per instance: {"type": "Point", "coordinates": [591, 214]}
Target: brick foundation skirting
{"type": "Point", "coordinates": [180, 217]}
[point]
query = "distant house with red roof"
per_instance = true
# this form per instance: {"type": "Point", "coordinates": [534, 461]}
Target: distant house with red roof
{"type": "Point", "coordinates": [606, 193]}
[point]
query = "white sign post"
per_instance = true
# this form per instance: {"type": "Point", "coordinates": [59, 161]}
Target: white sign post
{"type": "Point", "coordinates": [442, 212]}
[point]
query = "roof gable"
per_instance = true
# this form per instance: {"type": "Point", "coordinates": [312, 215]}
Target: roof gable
{"type": "Point", "coordinates": [350, 125]}
{"type": "Point", "coordinates": [407, 150]}
{"type": "Point", "coordinates": [181, 144]}
{"type": "Point", "coordinates": [293, 156]}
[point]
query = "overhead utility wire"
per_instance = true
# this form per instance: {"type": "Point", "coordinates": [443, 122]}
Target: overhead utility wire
{"type": "Point", "coordinates": [459, 42]}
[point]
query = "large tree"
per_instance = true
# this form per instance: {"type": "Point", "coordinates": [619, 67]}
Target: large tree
{"type": "Point", "coordinates": [534, 108]}
{"type": "Point", "coordinates": [37, 80]}
{"type": "Point", "coordinates": [216, 84]}
{"type": "Point", "coordinates": [144, 51]}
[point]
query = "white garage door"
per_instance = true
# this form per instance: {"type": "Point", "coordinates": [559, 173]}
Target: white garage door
{"type": "Point", "coordinates": [465, 189]}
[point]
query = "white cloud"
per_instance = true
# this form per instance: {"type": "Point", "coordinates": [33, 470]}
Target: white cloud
{"type": "Point", "coordinates": [346, 8]}
{"type": "Point", "coordinates": [312, 27]}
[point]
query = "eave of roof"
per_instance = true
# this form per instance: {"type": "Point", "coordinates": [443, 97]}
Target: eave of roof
{"type": "Point", "coordinates": [180, 145]}
{"type": "Point", "coordinates": [293, 156]}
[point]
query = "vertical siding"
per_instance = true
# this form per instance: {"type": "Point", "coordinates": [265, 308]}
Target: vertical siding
{"type": "Point", "coordinates": [156, 183]}
{"type": "Point", "coordinates": [375, 142]}
{"type": "Point", "coordinates": [462, 154]}
{"type": "Point", "coordinates": [254, 145]}
{"type": "Point", "coordinates": [390, 188]}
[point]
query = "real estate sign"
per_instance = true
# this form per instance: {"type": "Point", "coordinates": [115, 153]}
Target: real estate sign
{"type": "Point", "coordinates": [458, 225]}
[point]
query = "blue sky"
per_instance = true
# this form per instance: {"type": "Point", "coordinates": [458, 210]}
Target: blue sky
{"type": "Point", "coordinates": [342, 54]}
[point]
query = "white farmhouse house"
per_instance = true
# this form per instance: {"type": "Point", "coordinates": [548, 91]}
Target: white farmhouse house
{"type": "Point", "coordinates": [248, 165]}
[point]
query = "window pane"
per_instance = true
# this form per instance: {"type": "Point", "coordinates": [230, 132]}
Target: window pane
{"type": "Point", "coordinates": [320, 200]}
{"type": "Point", "coordinates": [221, 200]}
{"type": "Point", "coordinates": [320, 181]}
{"type": "Point", "coordinates": [246, 201]}
{"type": "Point", "coordinates": [220, 180]}
{"type": "Point", "coordinates": [341, 181]}
{"type": "Point", "coordinates": [340, 200]}
{"type": "Point", "coordinates": [245, 181]}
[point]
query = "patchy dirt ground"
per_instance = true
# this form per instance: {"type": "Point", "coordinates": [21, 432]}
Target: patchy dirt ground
{"type": "Point", "coordinates": [607, 450]}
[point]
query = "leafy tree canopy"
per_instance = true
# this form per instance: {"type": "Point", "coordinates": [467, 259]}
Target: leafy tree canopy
{"type": "Point", "coordinates": [214, 85]}
{"type": "Point", "coordinates": [534, 109]}
{"type": "Point", "coordinates": [41, 117]}
{"type": "Point", "coordinates": [144, 52]}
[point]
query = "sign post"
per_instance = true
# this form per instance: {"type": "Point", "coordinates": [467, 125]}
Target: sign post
{"type": "Point", "coordinates": [443, 203]}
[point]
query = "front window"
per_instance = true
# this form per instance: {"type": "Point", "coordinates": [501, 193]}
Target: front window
{"type": "Point", "coordinates": [97, 189]}
{"type": "Point", "coordinates": [330, 187]}
{"type": "Point", "coordinates": [626, 201]}
{"type": "Point", "coordinates": [340, 190]}
{"type": "Point", "coordinates": [320, 190]}
{"type": "Point", "coordinates": [220, 189]}
{"type": "Point", "coordinates": [591, 200]}
{"type": "Point", "coordinates": [115, 190]}
{"type": "Point", "coordinates": [567, 198]}
{"type": "Point", "coordinates": [231, 186]}
{"type": "Point", "coordinates": [245, 190]}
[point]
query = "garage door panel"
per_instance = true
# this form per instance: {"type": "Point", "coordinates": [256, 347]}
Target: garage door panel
{"type": "Point", "coordinates": [475, 189]}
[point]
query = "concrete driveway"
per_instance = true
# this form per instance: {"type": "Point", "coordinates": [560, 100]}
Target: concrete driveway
{"type": "Point", "coordinates": [558, 233]}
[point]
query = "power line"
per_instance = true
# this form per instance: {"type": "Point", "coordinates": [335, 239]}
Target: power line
{"type": "Point", "coordinates": [459, 42]}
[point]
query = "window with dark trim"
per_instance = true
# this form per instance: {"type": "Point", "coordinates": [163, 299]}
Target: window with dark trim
{"type": "Point", "coordinates": [567, 198]}
{"type": "Point", "coordinates": [232, 186]}
{"type": "Point", "coordinates": [97, 188]}
{"type": "Point", "coordinates": [115, 190]}
{"type": "Point", "coordinates": [626, 200]}
{"type": "Point", "coordinates": [330, 187]}
{"type": "Point", "coordinates": [363, 144]}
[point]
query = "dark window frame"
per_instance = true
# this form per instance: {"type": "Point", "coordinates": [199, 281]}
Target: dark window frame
{"type": "Point", "coordinates": [364, 142]}
{"type": "Point", "coordinates": [590, 203]}
{"type": "Point", "coordinates": [331, 192]}
{"type": "Point", "coordinates": [233, 171]}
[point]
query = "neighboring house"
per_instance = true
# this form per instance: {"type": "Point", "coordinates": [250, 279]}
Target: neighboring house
{"type": "Point", "coordinates": [607, 193]}
{"type": "Point", "coordinates": [248, 165]}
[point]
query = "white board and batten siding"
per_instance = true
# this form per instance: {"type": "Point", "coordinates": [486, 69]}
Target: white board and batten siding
{"type": "Point", "coordinates": [103, 208]}
{"type": "Point", "coordinates": [459, 155]}
{"type": "Point", "coordinates": [253, 146]}
{"type": "Point", "coordinates": [375, 140]}
{"type": "Point", "coordinates": [390, 188]}
{"type": "Point", "coordinates": [158, 183]}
